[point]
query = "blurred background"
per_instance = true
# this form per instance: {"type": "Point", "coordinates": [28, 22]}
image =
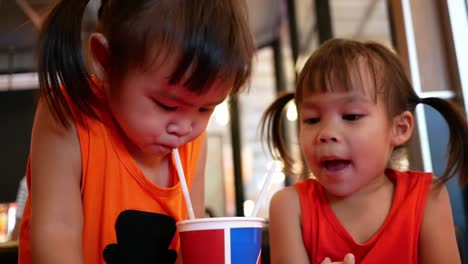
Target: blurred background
{"type": "Point", "coordinates": [430, 36]}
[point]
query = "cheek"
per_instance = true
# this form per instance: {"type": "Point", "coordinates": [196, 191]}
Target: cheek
{"type": "Point", "coordinates": [306, 138]}
{"type": "Point", "coordinates": [150, 123]}
{"type": "Point", "coordinates": [201, 123]}
{"type": "Point", "coordinates": [305, 144]}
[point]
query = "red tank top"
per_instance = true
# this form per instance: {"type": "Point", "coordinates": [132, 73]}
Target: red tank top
{"type": "Point", "coordinates": [125, 215]}
{"type": "Point", "coordinates": [397, 240]}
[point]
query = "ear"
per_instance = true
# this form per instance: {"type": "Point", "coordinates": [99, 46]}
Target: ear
{"type": "Point", "coordinates": [99, 56]}
{"type": "Point", "coordinates": [403, 125]}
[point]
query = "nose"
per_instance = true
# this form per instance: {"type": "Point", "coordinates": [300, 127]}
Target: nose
{"type": "Point", "coordinates": [328, 134]}
{"type": "Point", "coordinates": [328, 139]}
{"type": "Point", "coordinates": [180, 128]}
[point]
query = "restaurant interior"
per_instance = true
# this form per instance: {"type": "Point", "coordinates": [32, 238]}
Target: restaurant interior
{"type": "Point", "coordinates": [430, 36]}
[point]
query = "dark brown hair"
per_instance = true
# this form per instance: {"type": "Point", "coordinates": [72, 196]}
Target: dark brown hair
{"type": "Point", "coordinates": [333, 67]}
{"type": "Point", "coordinates": [212, 39]}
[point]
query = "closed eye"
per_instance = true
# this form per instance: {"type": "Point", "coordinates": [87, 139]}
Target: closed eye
{"type": "Point", "coordinates": [165, 107]}
{"type": "Point", "coordinates": [205, 110]}
{"type": "Point", "coordinates": [352, 117]}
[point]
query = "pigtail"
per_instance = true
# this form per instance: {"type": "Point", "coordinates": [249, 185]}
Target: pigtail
{"type": "Point", "coordinates": [272, 132]}
{"type": "Point", "coordinates": [61, 68]}
{"type": "Point", "coordinates": [457, 160]}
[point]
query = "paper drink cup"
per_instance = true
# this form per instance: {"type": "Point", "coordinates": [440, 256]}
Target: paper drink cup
{"type": "Point", "coordinates": [221, 240]}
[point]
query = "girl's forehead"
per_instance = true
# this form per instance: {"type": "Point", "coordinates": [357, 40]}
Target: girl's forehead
{"type": "Point", "coordinates": [331, 101]}
{"type": "Point", "coordinates": [364, 87]}
{"type": "Point", "coordinates": [337, 97]}
{"type": "Point", "coordinates": [344, 73]}
{"type": "Point", "coordinates": [357, 77]}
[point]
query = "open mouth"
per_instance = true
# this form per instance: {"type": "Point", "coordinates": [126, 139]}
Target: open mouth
{"type": "Point", "coordinates": [335, 165]}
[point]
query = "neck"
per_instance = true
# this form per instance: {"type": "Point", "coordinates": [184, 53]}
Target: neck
{"type": "Point", "coordinates": [366, 193]}
{"type": "Point", "coordinates": [141, 158]}
{"type": "Point", "coordinates": [154, 168]}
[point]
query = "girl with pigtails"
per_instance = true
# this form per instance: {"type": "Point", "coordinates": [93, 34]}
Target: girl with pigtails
{"type": "Point", "coordinates": [356, 107]}
{"type": "Point", "coordinates": [103, 184]}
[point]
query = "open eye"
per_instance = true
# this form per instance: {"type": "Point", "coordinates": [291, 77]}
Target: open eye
{"type": "Point", "coordinates": [311, 121]}
{"type": "Point", "coordinates": [352, 117]}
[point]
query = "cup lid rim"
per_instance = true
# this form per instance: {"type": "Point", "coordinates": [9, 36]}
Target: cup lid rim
{"type": "Point", "coordinates": [221, 219]}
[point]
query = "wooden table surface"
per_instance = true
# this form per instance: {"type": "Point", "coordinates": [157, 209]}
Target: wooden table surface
{"type": "Point", "coordinates": [11, 245]}
{"type": "Point", "coordinates": [9, 252]}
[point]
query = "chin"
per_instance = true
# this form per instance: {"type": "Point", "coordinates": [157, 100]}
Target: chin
{"type": "Point", "coordinates": [341, 194]}
{"type": "Point", "coordinates": [156, 150]}
{"type": "Point", "coordinates": [338, 191]}
{"type": "Point", "coordinates": [162, 152]}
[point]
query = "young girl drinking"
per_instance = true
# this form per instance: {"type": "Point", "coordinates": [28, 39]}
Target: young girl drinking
{"type": "Point", "coordinates": [355, 108]}
{"type": "Point", "coordinates": [103, 183]}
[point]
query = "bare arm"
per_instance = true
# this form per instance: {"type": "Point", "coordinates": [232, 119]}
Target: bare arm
{"type": "Point", "coordinates": [437, 238]}
{"type": "Point", "coordinates": [286, 243]}
{"type": "Point", "coordinates": [56, 220]}
{"type": "Point", "coordinates": [197, 193]}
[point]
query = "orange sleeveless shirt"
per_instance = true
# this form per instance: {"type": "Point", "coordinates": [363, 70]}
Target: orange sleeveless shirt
{"type": "Point", "coordinates": [397, 240]}
{"type": "Point", "coordinates": [126, 217]}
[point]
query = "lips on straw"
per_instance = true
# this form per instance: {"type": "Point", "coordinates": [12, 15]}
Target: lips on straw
{"type": "Point", "coordinates": [183, 183]}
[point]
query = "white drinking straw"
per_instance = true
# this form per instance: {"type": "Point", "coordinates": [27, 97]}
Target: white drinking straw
{"type": "Point", "coordinates": [183, 183]}
{"type": "Point", "coordinates": [262, 194]}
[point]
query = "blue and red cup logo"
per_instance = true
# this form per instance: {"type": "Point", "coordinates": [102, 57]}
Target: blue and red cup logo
{"type": "Point", "coordinates": [233, 244]}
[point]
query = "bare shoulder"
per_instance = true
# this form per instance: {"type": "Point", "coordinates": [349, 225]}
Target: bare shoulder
{"type": "Point", "coordinates": [285, 228]}
{"type": "Point", "coordinates": [56, 177]}
{"type": "Point", "coordinates": [437, 201]}
{"type": "Point", "coordinates": [50, 139]}
{"type": "Point", "coordinates": [46, 125]}
{"type": "Point", "coordinates": [286, 199]}
{"type": "Point", "coordinates": [55, 156]}
{"type": "Point", "coordinates": [437, 236]}
{"type": "Point", "coordinates": [285, 205]}
{"type": "Point", "coordinates": [437, 194]}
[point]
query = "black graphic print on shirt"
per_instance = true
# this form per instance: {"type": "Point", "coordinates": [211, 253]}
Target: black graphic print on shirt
{"type": "Point", "coordinates": [142, 237]}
